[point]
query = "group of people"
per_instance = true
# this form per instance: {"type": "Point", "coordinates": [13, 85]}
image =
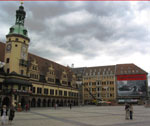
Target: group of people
{"type": "Point", "coordinates": [129, 111]}
{"type": "Point", "coordinates": [10, 113]}
{"type": "Point", "coordinates": [7, 114]}
{"type": "Point", "coordinates": [56, 105]}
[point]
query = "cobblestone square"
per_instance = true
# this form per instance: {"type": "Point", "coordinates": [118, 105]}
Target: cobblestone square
{"type": "Point", "coordinates": [82, 116]}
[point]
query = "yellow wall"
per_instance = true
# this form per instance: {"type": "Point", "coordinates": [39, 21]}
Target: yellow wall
{"type": "Point", "coordinates": [15, 54]}
{"type": "Point", "coordinates": [89, 83]}
{"type": "Point", "coordinates": [54, 88]}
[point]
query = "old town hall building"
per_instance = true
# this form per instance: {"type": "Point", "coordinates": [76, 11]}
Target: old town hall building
{"type": "Point", "coordinates": [29, 79]}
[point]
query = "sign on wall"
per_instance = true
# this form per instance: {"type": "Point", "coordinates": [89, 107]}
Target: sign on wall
{"type": "Point", "coordinates": [131, 85]}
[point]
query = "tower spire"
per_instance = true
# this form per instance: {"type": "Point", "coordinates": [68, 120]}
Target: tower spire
{"type": "Point", "coordinates": [20, 15]}
{"type": "Point", "coordinates": [18, 28]}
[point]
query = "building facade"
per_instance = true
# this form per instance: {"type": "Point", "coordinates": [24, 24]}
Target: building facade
{"type": "Point", "coordinates": [117, 83]}
{"type": "Point", "coordinates": [29, 79]}
{"type": "Point", "coordinates": [26, 78]}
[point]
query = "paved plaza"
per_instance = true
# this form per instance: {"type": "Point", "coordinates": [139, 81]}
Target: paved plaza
{"type": "Point", "coordinates": [83, 116]}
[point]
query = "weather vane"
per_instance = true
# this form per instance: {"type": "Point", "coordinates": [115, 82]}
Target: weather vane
{"type": "Point", "coordinates": [21, 3]}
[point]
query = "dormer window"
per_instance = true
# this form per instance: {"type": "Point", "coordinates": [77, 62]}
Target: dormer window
{"type": "Point", "coordinates": [34, 67]}
{"type": "Point", "coordinates": [51, 72]}
{"type": "Point", "coordinates": [11, 30]}
{"type": "Point", "coordinates": [64, 76]}
{"type": "Point", "coordinates": [25, 32]}
{"type": "Point", "coordinates": [129, 71]}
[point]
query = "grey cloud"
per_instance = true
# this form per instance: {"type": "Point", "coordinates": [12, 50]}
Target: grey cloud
{"type": "Point", "coordinates": [111, 22]}
{"type": "Point", "coordinates": [143, 5]}
{"type": "Point", "coordinates": [46, 54]}
{"type": "Point", "coordinates": [96, 28]}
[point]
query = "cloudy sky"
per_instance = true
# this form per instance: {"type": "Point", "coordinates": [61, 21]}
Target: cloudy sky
{"type": "Point", "coordinates": [85, 33]}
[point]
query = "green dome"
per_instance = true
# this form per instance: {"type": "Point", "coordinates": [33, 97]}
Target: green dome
{"type": "Point", "coordinates": [18, 29]}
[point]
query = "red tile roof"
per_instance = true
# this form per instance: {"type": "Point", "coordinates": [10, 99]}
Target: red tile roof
{"type": "Point", "coordinates": [2, 51]}
{"type": "Point", "coordinates": [43, 64]}
{"type": "Point", "coordinates": [124, 69]}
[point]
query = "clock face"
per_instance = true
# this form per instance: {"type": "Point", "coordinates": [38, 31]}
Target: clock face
{"type": "Point", "coordinates": [23, 52]}
{"type": "Point", "coordinates": [8, 48]}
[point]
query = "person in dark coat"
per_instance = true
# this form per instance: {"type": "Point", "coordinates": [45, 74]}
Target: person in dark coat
{"type": "Point", "coordinates": [127, 111]}
{"type": "Point", "coordinates": [70, 105]}
{"type": "Point", "coordinates": [11, 114]}
{"type": "Point", "coordinates": [131, 111]}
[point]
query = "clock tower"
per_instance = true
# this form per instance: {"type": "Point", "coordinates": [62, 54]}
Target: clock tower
{"type": "Point", "coordinates": [17, 42]}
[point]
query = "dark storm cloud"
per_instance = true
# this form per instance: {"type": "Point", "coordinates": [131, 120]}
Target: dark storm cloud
{"type": "Point", "coordinates": [107, 9]}
{"type": "Point", "coordinates": [83, 28]}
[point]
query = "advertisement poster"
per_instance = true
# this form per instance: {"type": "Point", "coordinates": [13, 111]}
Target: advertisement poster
{"type": "Point", "coordinates": [131, 85]}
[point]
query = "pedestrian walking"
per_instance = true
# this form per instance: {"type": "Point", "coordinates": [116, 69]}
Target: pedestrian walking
{"type": "Point", "coordinates": [70, 105]}
{"type": "Point", "coordinates": [56, 106]}
{"type": "Point", "coordinates": [127, 111]}
{"type": "Point", "coordinates": [131, 111]}
{"type": "Point", "coordinates": [27, 107]}
{"type": "Point", "coordinates": [11, 114]}
{"type": "Point", "coordinates": [4, 112]}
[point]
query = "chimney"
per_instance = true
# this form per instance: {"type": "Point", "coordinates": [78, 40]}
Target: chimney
{"type": "Point", "coordinates": [72, 65]}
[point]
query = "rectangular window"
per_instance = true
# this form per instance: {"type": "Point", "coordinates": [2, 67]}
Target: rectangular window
{"type": "Point", "coordinates": [52, 91]}
{"type": "Point", "coordinates": [69, 94]}
{"type": "Point", "coordinates": [7, 60]}
{"type": "Point", "coordinates": [0, 86]}
{"type": "Point", "coordinates": [65, 93]}
{"type": "Point", "coordinates": [55, 92]}
{"type": "Point", "coordinates": [33, 89]}
{"type": "Point", "coordinates": [50, 79]}
{"type": "Point", "coordinates": [19, 87]}
{"type": "Point", "coordinates": [24, 88]}
{"type": "Point", "coordinates": [64, 76]}
{"type": "Point", "coordinates": [69, 83]}
{"type": "Point", "coordinates": [64, 82]}
{"type": "Point", "coordinates": [39, 90]}
{"type": "Point", "coordinates": [45, 91]}
{"type": "Point", "coordinates": [60, 93]}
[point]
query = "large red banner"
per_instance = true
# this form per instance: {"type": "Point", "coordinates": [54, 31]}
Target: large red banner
{"type": "Point", "coordinates": [131, 77]}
